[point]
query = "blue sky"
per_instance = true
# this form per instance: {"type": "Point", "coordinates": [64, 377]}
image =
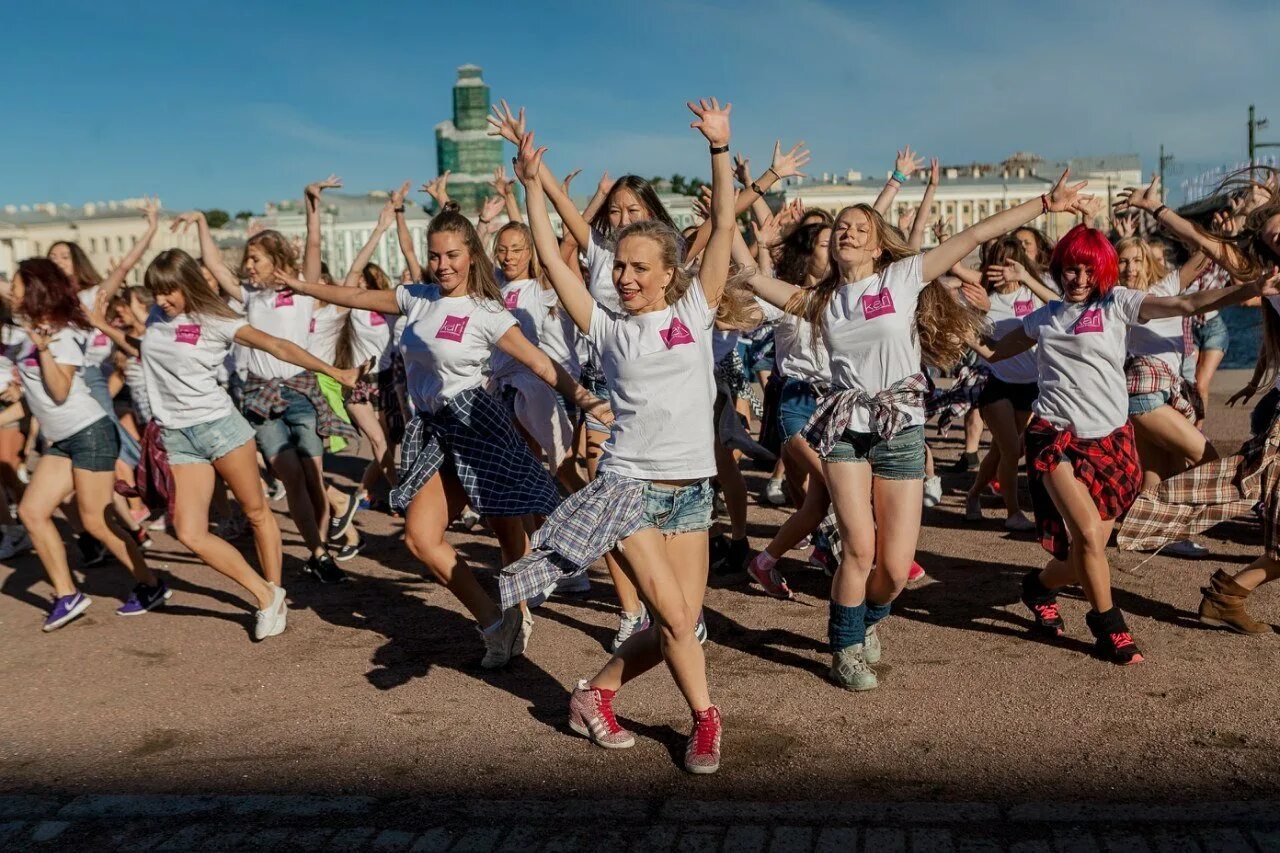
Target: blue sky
{"type": "Point", "coordinates": [233, 104]}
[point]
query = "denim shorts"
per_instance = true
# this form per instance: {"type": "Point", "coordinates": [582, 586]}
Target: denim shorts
{"type": "Point", "coordinates": [93, 448]}
{"type": "Point", "coordinates": [795, 407]}
{"type": "Point", "coordinates": [600, 388]}
{"type": "Point", "coordinates": [901, 458]}
{"type": "Point", "coordinates": [208, 441]}
{"type": "Point", "coordinates": [1140, 404]}
{"type": "Point", "coordinates": [1211, 334]}
{"type": "Point", "coordinates": [678, 509]}
{"type": "Point", "coordinates": [292, 429]}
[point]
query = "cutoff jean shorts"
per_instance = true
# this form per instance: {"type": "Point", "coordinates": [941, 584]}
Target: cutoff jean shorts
{"type": "Point", "coordinates": [94, 448]}
{"type": "Point", "coordinates": [206, 442]}
{"type": "Point", "coordinates": [899, 458]}
{"type": "Point", "coordinates": [678, 509]}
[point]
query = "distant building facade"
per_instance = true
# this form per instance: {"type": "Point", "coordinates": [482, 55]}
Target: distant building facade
{"type": "Point", "coordinates": [463, 145]}
{"type": "Point", "coordinates": [105, 230]}
{"type": "Point", "coordinates": [967, 194]}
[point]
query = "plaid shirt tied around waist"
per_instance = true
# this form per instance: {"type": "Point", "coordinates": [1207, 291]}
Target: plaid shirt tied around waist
{"type": "Point", "coordinates": [1147, 374]}
{"type": "Point", "coordinates": [265, 398]}
{"type": "Point", "coordinates": [581, 530]}
{"type": "Point", "coordinates": [1108, 467]}
{"type": "Point", "coordinates": [498, 472]}
{"type": "Point", "coordinates": [1208, 494]}
{"type": "Point", "coordinates": [955, 402]}
{"type": "Point", "coordinates": [889, 411]}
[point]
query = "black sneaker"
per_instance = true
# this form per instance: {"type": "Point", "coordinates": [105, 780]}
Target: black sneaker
{"type": "Point", "coordinates": [92, 552]}
{"type": "Point", "coordinates": [1113, 641]}
{"type": "Point", "coordinates": [718, 552]}
{"type": "Point", "coordinates": [739, 554]}
{"type": "Point", "coordinates": [966, 462]}
{"type": "Point", "coordinates": [1043, 605]}
{"type": "Point", "coordinates": [338, 524]}
{"type": "Point", "coordinates": [324, 569]}
{"type": "Point", "coordinates": [349, 550]}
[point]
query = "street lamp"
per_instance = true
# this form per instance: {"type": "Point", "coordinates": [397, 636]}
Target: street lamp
{"type": "Point", "coordinates": [1256, 124]}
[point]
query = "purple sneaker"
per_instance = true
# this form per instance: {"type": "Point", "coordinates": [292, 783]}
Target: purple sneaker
{"type": "Point", "coordinates": [144, 598]}
{"type": "Point", "coordinates": [65, 609]}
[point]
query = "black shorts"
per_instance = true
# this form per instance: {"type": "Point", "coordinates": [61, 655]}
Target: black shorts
{"type": "Point", "coordinates": [1020, 394]}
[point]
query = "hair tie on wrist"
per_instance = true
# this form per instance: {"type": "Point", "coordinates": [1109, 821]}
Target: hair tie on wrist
{"type": "Point", "coordinates": [721, 149]}
{"type": "Point", "coordinates": [1155, 214]}
{"type": "Point", "coordinates": [899, 177]}
{"type": "Point", "coordinates": [1044, 203]}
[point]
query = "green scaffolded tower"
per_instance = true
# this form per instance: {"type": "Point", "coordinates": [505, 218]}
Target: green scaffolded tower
{"type": "Point", "coordinates": [463, 145]}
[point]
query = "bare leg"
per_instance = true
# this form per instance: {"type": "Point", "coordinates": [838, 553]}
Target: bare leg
{"type": "Point", "coordinates": [50, 485]}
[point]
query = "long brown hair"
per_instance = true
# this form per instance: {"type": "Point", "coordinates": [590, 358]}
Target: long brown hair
{"type": "Point", "coordinates": [1002, 251]}
{"type": "Point", "coordinates": [795, 251]}
{"type": "Point", "coordinates": [943, 324]}
{"type": "Point", "coordinates": [83, 273]}
{"type": "Point", "coordinates": [481, 282]}
{"type": "Point", "coordinates": [174, 269]}
{"type": "Point", "coordinates": [1248, 256]}
{"type": "Point", "coordinates": [49, 297]}
{"type": "Point", "coordinates": [375, 278]}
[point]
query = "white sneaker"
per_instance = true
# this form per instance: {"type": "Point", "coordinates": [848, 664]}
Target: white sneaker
{"type": "Point", "coordinates": [15, 542]}
{"type": "Point", "coordinates": [973, 508]}
{"type": "Point", "coordinates": [1019, 523]}
{"type": "Point", "coordinates": [932, 491]}
{"type": "Point", "coordinates": [628, 624]}
{"type": "Point", "coordinates": [157, 523]}
{"type": "Point", "coordinates": [24, 475]}
{"type": "Point", "coordinates": [505, 642]}
{"type": "Point", "coordinates": [774, 494]}
{"type": "Point", "coordinates": [469, 519]}
{"type": "Point", "coordinates": [276, 492]}
{"type": "Point", "coordinates": [270, 622]}
{"type": "Point", "coordinates": [1186, 548]}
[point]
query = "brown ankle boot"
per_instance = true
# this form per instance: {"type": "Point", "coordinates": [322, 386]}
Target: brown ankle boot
{"type": "Point", "coordinates": [1223, 606]}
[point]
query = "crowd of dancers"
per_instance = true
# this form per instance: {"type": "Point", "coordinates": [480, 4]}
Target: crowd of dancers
{"type": "Point", "coordinates": [589, 395]}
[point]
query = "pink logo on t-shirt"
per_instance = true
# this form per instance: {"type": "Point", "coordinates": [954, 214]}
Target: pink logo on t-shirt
{"type": "Point", "coordinates": [676, 334]}
{"type": "Point", "coordinates": [312, 327]}
{"type": "Point", "coordinates": [100, 339]}
{"type": "Point", "coordinates": [1022, 309]}
{"type": "Point", "coordinates": [31, 360]}
{"type": "Point", "coordinates": [188, 333]}
{"type": "Point", "coordinates": [876, 304]}
{"type": "Point", "coordinates": [284, 298]}
{"type": "Point", "coordinates": [511, 298]}
{"type": "Point", "coordinates": [376, 319]}
{"type": "Point", "coordinates": [1090, 321]}
{"type": "Point", "coordinates": [452, 328]}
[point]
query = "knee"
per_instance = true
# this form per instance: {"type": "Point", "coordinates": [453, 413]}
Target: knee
{"type": "Point", "coordinates": [854, 560]}
{"type": "Point", "coordinates": [192, 535]}
{"type": "Point", "coordinates": [434, 552]}
{"type": "Point", "coordinates": [257, 513]}
{"type": "Point", "coordinates": [676, 627]}
{"type": "Point", "coordinates": [1093, 540]}
{"type": "Point", "coordinates": [95, 524]}
{"type": "Point", "coordinates": [32, 517]}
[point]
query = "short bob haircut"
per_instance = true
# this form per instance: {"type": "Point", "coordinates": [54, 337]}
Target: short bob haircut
{"type": "Point", "coordinates": [1089, 247]}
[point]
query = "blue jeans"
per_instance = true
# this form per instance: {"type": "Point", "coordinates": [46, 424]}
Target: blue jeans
{"type": "Point", "coordinates": [293, 429]}
{"type": "Point", "coordinates": [208, 441]}
{"type": "Point", "coordinates": [678, 509]}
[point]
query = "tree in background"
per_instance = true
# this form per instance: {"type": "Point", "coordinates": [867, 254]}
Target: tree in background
{"type": "Point", "coordinates": [217, 218]}
{"type": "Point", "coordinates": [244, 215]}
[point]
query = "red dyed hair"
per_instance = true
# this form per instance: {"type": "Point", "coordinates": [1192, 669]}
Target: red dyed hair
{"type": "Point", "coordinates": [1085, 246]}
{"type": "Point", "coordinates": [49, 297]}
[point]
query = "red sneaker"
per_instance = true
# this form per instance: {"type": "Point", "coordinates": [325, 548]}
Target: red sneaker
{"type": "Point", "coordinates": [916, 574]}
{"type": "Point", "coordinates": [770, 579]}
{"type": "Point", "coordinates": [702, 755]}
{"type": "Point", "coordinates": [591, 715]}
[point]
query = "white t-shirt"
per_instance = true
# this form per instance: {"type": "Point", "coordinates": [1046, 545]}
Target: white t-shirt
{"type": "Point", "coordinates": [600, 273]}
{"type": "Point", "coordinates": [871, 334]}
{"type": "Point", "coordinates": [662, 389]}
{"type": "Point", "coordinates": [79, 409]}
{"type": "Point", "coordinates": [447, 342]}
{"type": "Point", "coordinates": [13, 340]}
{"type": "Point", "coordinates": [181, 357]}
{"type": "Point", "coordinates": [560, 336]}
{"type": "Point", "coordinates": [1162, 337]}
{"type": "Point", "coordinates": [527, 302]}
{"type": "Point", "coordinates": [1005, 315]}
{"type": "Point", "coordinates": [799, 353]}
{"type": "Point", "coordinates": [98, 346]}
{"type": "Point", "coordinates": [284, 314]}
{"type": "Point", "coordinates": [372, 334]}
{"type": "Point", "coordinates": [1080, 355]}
{"type": "Point", "coordinates": [327, 323]}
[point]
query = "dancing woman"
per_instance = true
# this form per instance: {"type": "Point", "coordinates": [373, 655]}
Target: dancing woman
{"type": "Point", "coordinates": [880, 315]}
{"type": "Point", "coordinates": [461, 447]}
{"type": "Point", "coordinates": [652, 498]}
{"type": "Point", "coordinates": [1081, 457]}
{"type": "Point", "coordinates": [84, 442]}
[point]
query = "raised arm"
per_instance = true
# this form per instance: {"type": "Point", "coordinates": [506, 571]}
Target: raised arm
{"type": "Point", "coordinates": [98, 316]}
{"type": "Point", "coordinates": [294, 354]}
{"type": "Point", "coordinates": [209, 253]}
{"type": "Point", "coordinates": [1061, 198]}
{"type": "Point", "coordinates": [111, 284]}
{"type": "Point", "coordinates": [1203, 301]}
{"type": "Point", "coordinates": [487, 226]}
{"type": "Point", "coordinates": [925, 211]}
{"type": "Point", "coordinates": [403, 236]}
{"type": "Point", "coordinates": [311, 202]}
{"type": "Point", "coordinates": [906, 163]}
{"type": "Point", "coordinates": [1015, 272]}
{"type": "Point", "coordinates": [569, 246]}
{"type": "Point", "coordinates": [713, 124]}
{"type": "Point", "coordinates": [502, 186]}
{"type": "Point", "coordinates": [742, 171]}
{"type": "Point", "coordinates": [572, 292]}
{"type": "Point", "coordinates": [382, 301]}
{"type": "Point", "coordinates": [385, 217]}
{"type": "Point", "coordinates": [1149, 200]}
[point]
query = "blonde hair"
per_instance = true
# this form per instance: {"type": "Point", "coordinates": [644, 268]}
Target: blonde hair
{"type": "Point", "coordinates": [1153, 265]}
{"type": "Point", "coordinates": [175, 270]}
{"type": "Point", "coordinates": [276, 247]}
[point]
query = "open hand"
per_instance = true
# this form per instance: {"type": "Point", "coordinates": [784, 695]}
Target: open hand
{"type": "Point", "coordinates": [438, 188]}
{"type": "Point", "coordinates": [491, 207]}
{"type": "Point", "coordinates": [1145, 199]}
{"type": "Point", "coordinates": [907, 161]}
{"type": "Point", "coordinates": [789, 164]}
{"type": "Point", "coordinates": [505, 123]}
{"type": "Point", "coordinates": [183, 221]}
{"type": "Point", "coordinates": [713, 120]}
{"type": "Point", "coordinates": [528, 162]}
{"type": "Point", "coordinates": [313, 190]}
{"type": "Point", "coordinates": [398, 196]}
{"type": "Point", "coordinates": [1064, 197]}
